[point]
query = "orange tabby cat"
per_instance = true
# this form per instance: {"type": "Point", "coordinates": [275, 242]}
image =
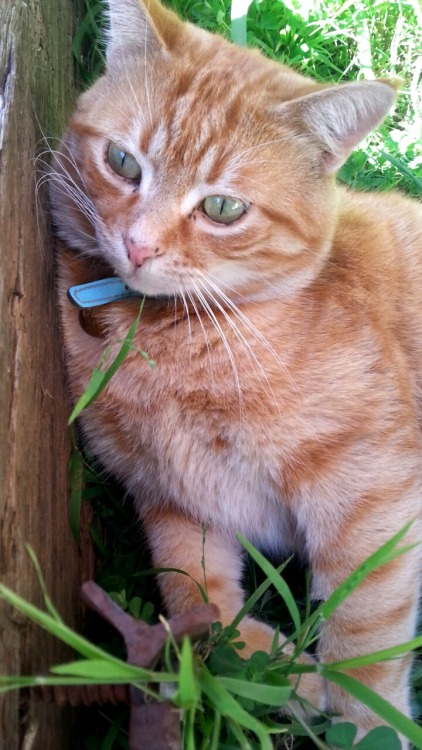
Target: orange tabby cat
{"type": "Point", "coordinates": [284, 314]}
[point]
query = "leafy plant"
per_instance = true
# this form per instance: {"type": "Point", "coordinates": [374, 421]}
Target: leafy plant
{"type": "Point", "coordinates": [227, 701]}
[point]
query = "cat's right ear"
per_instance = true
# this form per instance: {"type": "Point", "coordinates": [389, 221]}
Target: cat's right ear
{"type": "Point", "coordinates": [138, 29]}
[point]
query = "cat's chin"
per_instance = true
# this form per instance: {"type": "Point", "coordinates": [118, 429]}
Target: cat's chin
{"type": "Point", "coordinates": [151, 287]}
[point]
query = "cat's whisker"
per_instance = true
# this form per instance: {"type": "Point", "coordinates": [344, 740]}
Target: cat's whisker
{"type": "Point", "coordinates": [243, 318]}
{"type": "Point", "coordinates": [182, 296]}
{"type": "Point", "coordinates": [175, 318]}
{"type": "Point", "coordinates": [69, 157]}
{"type": "Point", "coordinates": [77, 205]}
{"type": "Point", "coordinates": [221, 283]}
{"type": "Point", "coordinates": [38, 183]}
{"type": "Point", "coordinates": [135, 105]}
{"type": "Point", "coordinates": [63, 173]}
{"type": "Point", "coordinates": [68, 186]}
{"type": "Point", "coordinates": [214, 320]}
{"type": "Point", "coordinates": [242, 340]}
{"type": "Point", "coordinates": [241, 154]}
{"type": "Point", "coordinates": [256, 333]}
{"type": "Point", "coordinates": [77, 197]}
{"type": "Point", "coordinates": [147, 88]}
{"type": "Point", "coordinates": [239, 314]}
{"type": "Point", "coordinates": [63, 188]}
{"type": "Point", "coordinates": [207, 344]}
{"type": "Point", "coordinates": [185, 305]}
{"type": "Point", "coordinates": [43, 139]}
{"type": "Point", "coordinates": [175, 300]}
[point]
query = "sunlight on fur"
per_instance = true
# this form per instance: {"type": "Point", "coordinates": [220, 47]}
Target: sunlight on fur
{"type": "Point", "coordinates": [283, 313]}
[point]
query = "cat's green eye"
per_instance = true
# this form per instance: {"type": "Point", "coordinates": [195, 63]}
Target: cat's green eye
{"type": "Point", "coordinates": [123, 163]}
{"type": "Point", "coordinates": [223, 210]}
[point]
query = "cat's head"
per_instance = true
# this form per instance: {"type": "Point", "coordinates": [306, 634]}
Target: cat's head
{"type": "Point", "coordinates": [192, 162]}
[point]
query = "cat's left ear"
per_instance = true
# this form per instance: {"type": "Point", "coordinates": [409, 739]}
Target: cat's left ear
{"type": "Point", "coordinates": [139, 29]}
{"type": "Point", "coordinates": [339, 117]}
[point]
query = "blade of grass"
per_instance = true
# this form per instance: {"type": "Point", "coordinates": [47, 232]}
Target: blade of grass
{"type": "Point", "coordinates": [377, 656]}
{"type": "Point", "coordinates": [48, 603]}
{"type": "Point", "coordinates": [18, 682]}
{"type": "Point", "coordinates": [189, 692]}
{"type": "Point", "coordinates": [100, 378]}
{"type": "Point", "coordinates": [270, 695]}
{"type": "Point", "coordinates": [189, 734]}
{"type": "Point", "coordinates": [308, 730]}
{"type": "Point", "coordinates": [113, 732]}
{"type": "Point", "coordinates": [385, 710]}
{"type": "Point", "coordinates": [243, 742]}
{"type": "Point", "coordinates": [103, 670]}
{"type": "Point", "coordinates": [215, 739]}
{"type": "Point", "coordinates": [256, 595]}
{"type": "Point", "coordinates": [158, 571]}
{"type": "Point", "coordinates": [60, 630]}
{"type": "Point", "coordinates": [403, 169]}
{"type": "Point", "coordinates": [279, 584]}
{"type": "Point", "coordinates": [385, 554]}
{"type": "Point", "coordinates": [388, 552]}
{"type": "Point", "coordinates": [229, 707]}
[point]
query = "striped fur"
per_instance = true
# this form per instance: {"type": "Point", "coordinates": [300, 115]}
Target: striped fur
{"type": "Point", "coordinates": [286, 399]}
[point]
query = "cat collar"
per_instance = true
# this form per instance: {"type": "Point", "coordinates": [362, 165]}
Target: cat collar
{"type": "Point", "coordinates": [100, 292]}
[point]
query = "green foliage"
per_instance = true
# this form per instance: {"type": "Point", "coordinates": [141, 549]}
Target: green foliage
{"type": "Point", "coordinates": [343, 735]}
{"type": "Point", "coordinates": [88, 42]}
{"type": "Point", "coordinates": [229, 702]}
{"type": "Point", "coordinates": [102, 375]}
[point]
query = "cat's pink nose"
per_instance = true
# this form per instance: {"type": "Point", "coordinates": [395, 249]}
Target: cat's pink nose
{"type": "Point", "coordinates": [138, 253]}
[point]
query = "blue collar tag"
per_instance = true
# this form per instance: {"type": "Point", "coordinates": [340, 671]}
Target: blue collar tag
{"type": "Point", "coordinates": [100, 292]}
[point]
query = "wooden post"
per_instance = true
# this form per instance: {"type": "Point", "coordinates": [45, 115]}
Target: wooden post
{"type": "Point", "coordinates": [36, 96]}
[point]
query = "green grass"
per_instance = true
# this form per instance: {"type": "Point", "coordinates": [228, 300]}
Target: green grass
{"type": "Point", "coordinates": [331, 41]}
{"type": "Point", "coordinates": [228, 702]}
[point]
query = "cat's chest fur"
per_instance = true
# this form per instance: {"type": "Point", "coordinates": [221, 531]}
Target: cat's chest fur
{"type": "Point", "coordinates": [233, 429]}
{"type": "Point", "coordinates": [200, 429]}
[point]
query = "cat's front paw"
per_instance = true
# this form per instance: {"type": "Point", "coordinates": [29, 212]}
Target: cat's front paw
{"type": "Point", "coordinates": [310, 686]}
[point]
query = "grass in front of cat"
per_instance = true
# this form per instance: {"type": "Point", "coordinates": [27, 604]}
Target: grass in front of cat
{"type": "Point", "coordinates": [226, 702]}
{"type": "Point", "coordinates": [124, 570]}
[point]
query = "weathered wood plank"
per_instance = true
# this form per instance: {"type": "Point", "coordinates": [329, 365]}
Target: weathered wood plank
{"type": "Point", "coordinates": [36, 87]}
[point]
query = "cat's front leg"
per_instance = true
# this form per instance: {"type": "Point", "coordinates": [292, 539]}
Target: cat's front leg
{"type": "Point", "coordinates": [213, 561]}
{"type": "Point", "coordinates": [379, 614]}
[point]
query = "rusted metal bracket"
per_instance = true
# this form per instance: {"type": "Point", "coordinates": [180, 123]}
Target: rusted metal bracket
{"type": "Point", "coordinates": [153, 725]}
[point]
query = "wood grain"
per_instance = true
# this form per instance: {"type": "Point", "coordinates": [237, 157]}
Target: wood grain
{"type": "Point", "coordinates": [37, 93]}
